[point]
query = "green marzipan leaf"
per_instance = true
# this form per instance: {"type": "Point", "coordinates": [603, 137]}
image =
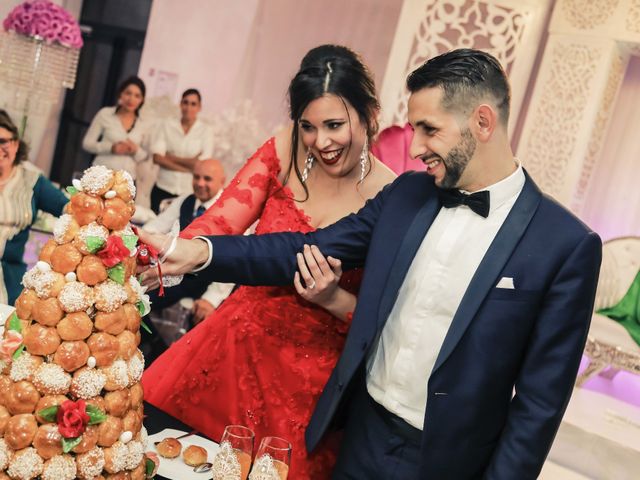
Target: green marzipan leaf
{"type": "Point", "coordinates": [69, 443]}
{"type": "Point", "coordinates": [18, 352]}
{"type": "Point", "coordinates": [146, 327]}
{"type": "Point", "coordinates": [117, 273]}
{"type": "Point", "coordinates": [49, 413]}
{"type": "Point", "coordinates": [95, 415]}
{"type": "Point", "coordinates": [14, 323]}
{"type": "Point", "coordinates": [72, 190]}
{"type": "Point", "coordinates": [149, 466]}
{"type": "Point", "coordinates": [94, 243]}
{"type": "Point", "coordinates": [130, 241]}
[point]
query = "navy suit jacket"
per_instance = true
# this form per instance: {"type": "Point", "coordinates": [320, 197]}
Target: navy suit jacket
{"type": "Point", "coordinates": [186, 211]}
{"type": "Point", "coordinates": [530, 338]}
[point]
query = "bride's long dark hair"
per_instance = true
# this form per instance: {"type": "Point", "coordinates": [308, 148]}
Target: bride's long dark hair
{"type": "Point", "coordinates": [337, 70]}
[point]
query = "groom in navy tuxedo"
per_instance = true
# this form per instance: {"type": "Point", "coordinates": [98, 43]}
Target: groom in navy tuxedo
{"type": "Point", "coordinates": [475, 302]}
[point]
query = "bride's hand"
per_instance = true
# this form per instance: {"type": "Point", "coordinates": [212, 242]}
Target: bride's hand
{"type": "Point", "coordinates": [320, 275]}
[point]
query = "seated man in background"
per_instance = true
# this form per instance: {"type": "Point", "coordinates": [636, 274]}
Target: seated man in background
{"type": "Point", "coordinates": [208, 179]}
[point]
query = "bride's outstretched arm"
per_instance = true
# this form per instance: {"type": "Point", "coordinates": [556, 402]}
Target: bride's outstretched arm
{"type": "Point", "coordinates": [242, 201]}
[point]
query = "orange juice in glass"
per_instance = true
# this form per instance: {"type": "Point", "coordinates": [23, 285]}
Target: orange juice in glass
{"type": "Point", "coordinates": [276, 452]}
{"type": "Point", "coordinates": [241, 440]}
{"type": "Point", "coordinates": [245, 463]}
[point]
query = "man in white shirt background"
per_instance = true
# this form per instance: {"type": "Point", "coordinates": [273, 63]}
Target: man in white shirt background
{"type": "Point", "coordinates": [177, 146]}
{"type": "Point", "coordinates": [207, 181]}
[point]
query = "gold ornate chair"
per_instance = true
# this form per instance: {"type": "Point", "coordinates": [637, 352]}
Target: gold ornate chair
{"type": "Point", "coordinates": [609, 347]}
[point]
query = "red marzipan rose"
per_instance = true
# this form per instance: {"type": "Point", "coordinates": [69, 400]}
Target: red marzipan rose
{"type": "Point", "coordinates": [113, 252]}
{"type": "Point", "coordinates": [72, 418]}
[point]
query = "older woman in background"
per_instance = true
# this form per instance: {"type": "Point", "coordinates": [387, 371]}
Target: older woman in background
{"type": "Point", "coordinates": [116, 134]}
{"type": "Point", "coordinates": [23, 191]}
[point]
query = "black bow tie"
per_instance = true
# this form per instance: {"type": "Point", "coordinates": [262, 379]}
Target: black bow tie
{"type": "Point", "coordinates": [478, 202]}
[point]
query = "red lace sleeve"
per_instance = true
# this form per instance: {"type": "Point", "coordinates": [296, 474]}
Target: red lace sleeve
{"type": "Point", "coordinates": [241, 202]}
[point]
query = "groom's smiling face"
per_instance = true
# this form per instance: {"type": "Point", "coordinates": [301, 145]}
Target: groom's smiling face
{"type": "Point", "coordinates": [438, 140]}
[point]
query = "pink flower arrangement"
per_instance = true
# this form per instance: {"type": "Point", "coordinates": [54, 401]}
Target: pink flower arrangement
{"type": "Point", "coordinates": [44, 19]}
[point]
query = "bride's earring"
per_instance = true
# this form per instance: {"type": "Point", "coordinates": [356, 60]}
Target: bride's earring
{"type": "Point", "coordinates": [308, 165]}
{"type": "Point", "coordinates": [364, 159]}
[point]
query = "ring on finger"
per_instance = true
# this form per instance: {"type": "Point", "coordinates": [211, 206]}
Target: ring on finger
{"type": "Point", "coordinates": [312, 285]}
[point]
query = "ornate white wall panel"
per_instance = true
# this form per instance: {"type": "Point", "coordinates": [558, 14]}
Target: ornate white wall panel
{"type": "Point", "coordinates": [613, 19]}
{"type": "Point", "coordinates": [569, 101]}
{"type": "Point", "coordinates": [587, 15]}
{"type": "Point", "coordinates": [599, 128]}
{"type": "Point", "coordinates": [633, 18]}
{"type": "Point", "coordinates": [509, 29]}
{"type": "Point", "coordinates": [572, 104]}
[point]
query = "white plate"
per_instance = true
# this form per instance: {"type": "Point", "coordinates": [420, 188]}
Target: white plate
{"type": "Point", "coordinates": [175, 468]}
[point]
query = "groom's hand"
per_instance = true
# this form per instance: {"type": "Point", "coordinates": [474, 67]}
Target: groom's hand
{"type": "Point", "coordinates": [184, 258]}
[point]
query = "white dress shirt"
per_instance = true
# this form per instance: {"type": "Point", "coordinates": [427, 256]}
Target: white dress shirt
{"type": "Point", "coordinates": [170, 138]}
{"type": "Point", "coordinates": [449, 255]}
{"type": "Point", "coordinates": [105, 130]}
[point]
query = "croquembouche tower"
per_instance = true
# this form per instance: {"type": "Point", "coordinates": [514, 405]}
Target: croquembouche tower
{"type": "Point", "coordinates": [70, 393]}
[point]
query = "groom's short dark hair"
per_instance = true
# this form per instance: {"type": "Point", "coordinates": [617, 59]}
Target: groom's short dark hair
{"type": "Point", "coordinates": [467, 77]}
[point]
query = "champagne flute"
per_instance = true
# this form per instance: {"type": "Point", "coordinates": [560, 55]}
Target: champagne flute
{"type": "Point", "coordinates": [273, 453]}
{"type": "Point", "coordinates": [240, 439]}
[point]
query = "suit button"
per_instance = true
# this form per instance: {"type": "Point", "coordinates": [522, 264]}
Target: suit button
{"type": "Point", "coordinates": [340, 386]}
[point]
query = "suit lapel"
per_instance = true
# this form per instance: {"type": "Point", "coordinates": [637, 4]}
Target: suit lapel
{"type": "Point", "coordinates": [491, 265]}
{"type": "Point", "coordinates": [408, 248]}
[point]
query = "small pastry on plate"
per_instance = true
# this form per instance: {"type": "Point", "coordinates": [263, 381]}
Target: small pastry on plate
{"type": "Point", "coordinates": [169, 448]}
{"type": "Point", "coordinates": [194, 455]}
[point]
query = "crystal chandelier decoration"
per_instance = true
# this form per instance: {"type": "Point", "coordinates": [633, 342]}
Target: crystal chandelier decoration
{"type": "Point", "coordinates": [39, 51]}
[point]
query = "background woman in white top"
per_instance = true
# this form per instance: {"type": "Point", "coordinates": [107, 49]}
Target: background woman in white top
{"type": "Point", "coordinates": [177, 146]}
{"type": "Point", "coordinates": [116, 134]}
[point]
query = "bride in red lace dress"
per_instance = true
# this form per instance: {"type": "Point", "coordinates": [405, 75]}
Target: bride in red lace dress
{"type": "Point", "coordinates": [263, 357]}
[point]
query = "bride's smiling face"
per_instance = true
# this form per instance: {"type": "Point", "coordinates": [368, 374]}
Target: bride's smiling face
{"type": "Point", "coordinates": [331, 129]}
